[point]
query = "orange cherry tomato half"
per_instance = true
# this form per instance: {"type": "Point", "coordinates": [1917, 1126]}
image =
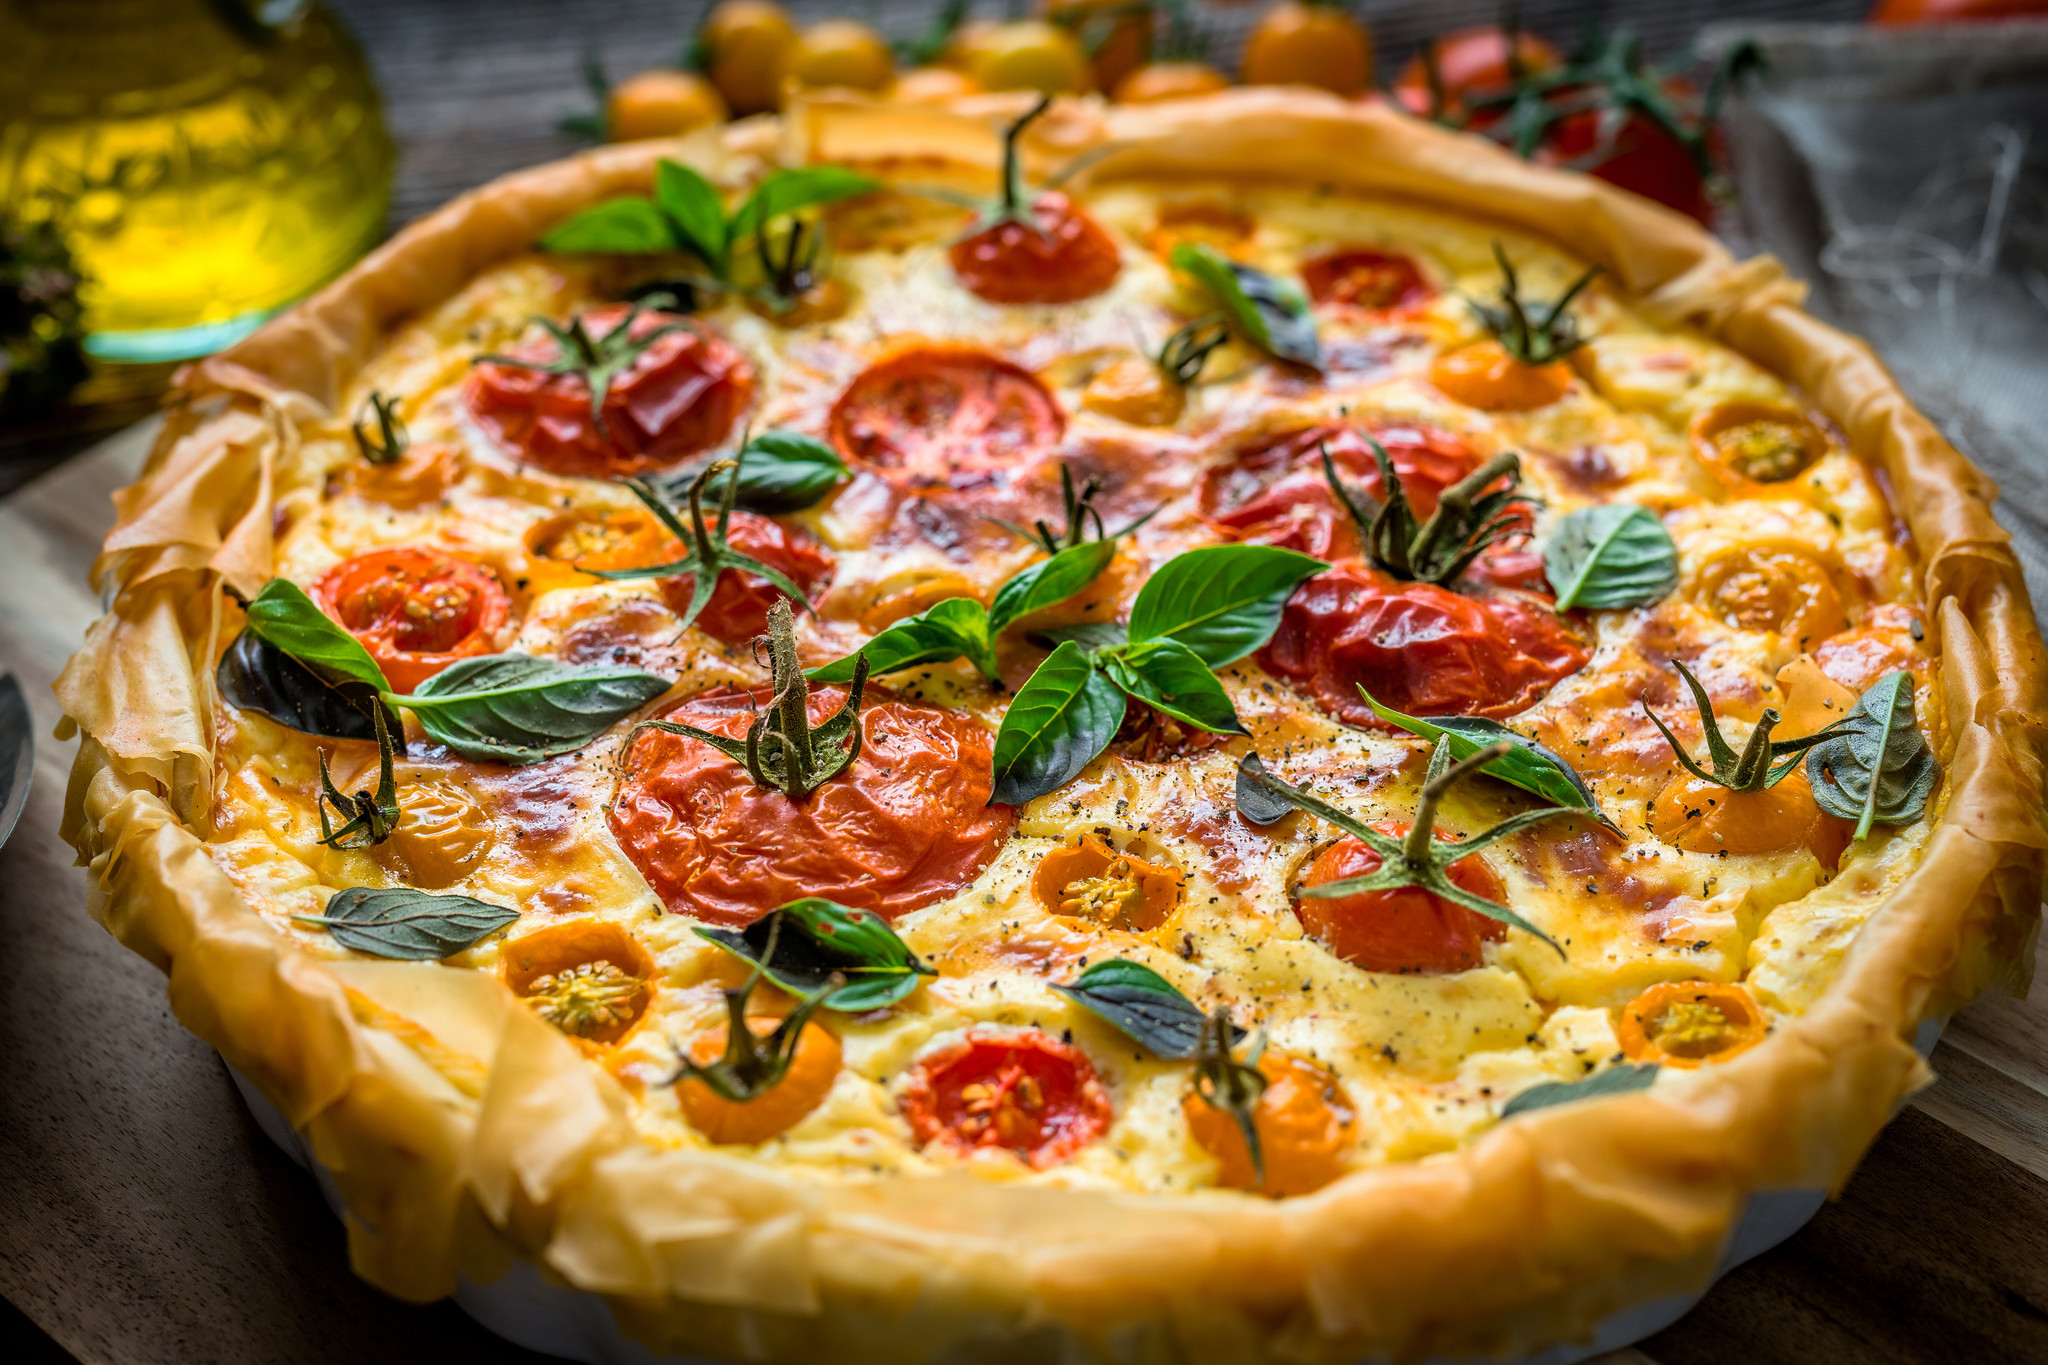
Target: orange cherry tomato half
{"type": "Point", "coordinates": [738, 609]}
{"type": "Point", "coordinates": [562, 549]}
{"type": "Point", "coordinates": [1777, 588]}
{"type": "Point", "coordinates": [1105, 886]}
{"type": "Point", "coordinates": [416, 610]}
{"type": "Point", "coordinates": [1470, 61]}
{"type": "Point", "coordinates": [1203, 221]}
{"type": "Point", "coordinates": [1295, 43]}
{"type": "Point", "coordinates": [1885, 642]}
{"type": "Point", "coordinates": [1419, 648]}
{"type": "Point", "coordinates": [1060, 256]}
{"type": "Point", "coordinates": [1484, 376]}
{"type": "Point", "coordinates": [662, 104]}
{"type": "Point", "coordinates": [1304, 1120]}
{"type": "Point", "coordinates": [1750, 446]}
{"type": "Point", "coordinates": [1404, 930]}
{"type": "Point", "coordinates": [1157, 82]}
{"type": "Point", "coordinates": [906, 825]}
{"type": "Point", "coordinates": [1365, 279]}
{"type": "Point", "coordinates": [589, 979]}
{"type": "Point", "coordinates": [813, 1071]}
{"type": "Point", "coordinates": [680, 397]}
{"type": "Point", "coordinates": [1690, 1023]}
{"type": "Point", "coordinates": [1899, 13]}
{"type": "Point", "coordinates": [940, 415]}
{"type": "Point", "coordinates": [1019, 1090]}
{"type": "Point", "coordinates": [1705, 817]}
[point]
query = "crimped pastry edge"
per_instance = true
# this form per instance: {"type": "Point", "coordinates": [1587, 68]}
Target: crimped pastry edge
{"type": "Point", "coordinates": [1525, 1237]}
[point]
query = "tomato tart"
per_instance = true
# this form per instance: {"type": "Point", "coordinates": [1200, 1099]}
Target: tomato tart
{"type": "Point", "coordinates": [1237, 730]}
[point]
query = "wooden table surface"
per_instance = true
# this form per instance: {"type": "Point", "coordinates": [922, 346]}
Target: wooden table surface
{"type": "Point", "coordinates": [144, 1219]}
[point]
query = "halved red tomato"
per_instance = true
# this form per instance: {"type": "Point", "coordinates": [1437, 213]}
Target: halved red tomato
{"type": "Point", "coordinates": [416, 610]}
{"type": "Point", "coordinates": [1019, 1090]}
{"type": "Point", "coordinates": [738, 609]}
{"type": "Point", "coordinates": [1061, 256]}
{"type": "Point", "coordinates": [934, 415]}
{"type": "Point", "coordinates": [681, 396]}
{"type": "Point", "coordinates": [1406, 929]}
{"type": "Point", "coordinates": [1419, 648]}
{"type": "Point", "coordinates": [1366, 279]}
{"type": "Point", "coordinates": [907, 824]}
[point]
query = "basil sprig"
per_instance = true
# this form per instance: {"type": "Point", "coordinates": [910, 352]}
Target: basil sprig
{"type": "Point", "coordinates": [1201, 611]}
{"type": "Point", "coordinates": [813, 940]}
{"type": "Point", "coordinates": [505, 708]}
{"type": "Point", "coordinates": [1269, 312]}
{"type": "Point", "coordinates": [1527, 764]}
{"type": "Point", "coordinates": [1614, 554]}
{"type": "Point", "coordinates": [774, 473]}
{"type": "Point", "coordinates": [1874, 766]}
{"type": "Point", "coordinates": [411, 926]}
{"type": "Point", "coordinates": [1615, 1080]}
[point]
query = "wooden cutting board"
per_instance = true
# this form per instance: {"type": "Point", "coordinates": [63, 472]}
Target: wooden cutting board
{"type": "Point", "coordinates": [145, 1221]}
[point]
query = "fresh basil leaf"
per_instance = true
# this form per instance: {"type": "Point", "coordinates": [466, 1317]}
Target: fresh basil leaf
{"type": "Point", "coordinates": [409, 925]}
{"type": "Point", "coordinates": [284, 616]}
{"type": "Point", "coordinates": [784, 471]}
{"type": "Point", "coordinates": [696, 212]}
{"type": "Point", "coordinates": [1093, 636]}
{"type": "Point", "coordinates": [1048, 582]}
{"type": "Point", "coordinates": [1615, 1080]}
{"type": "Point", "coordinates": [952, 629]}
{"type": "Point", "coordinates": [1221, 601]}
{"type": "Point", "coordinates": [788, 191]}
{"type": "Point", "coordinates": [1614, 554]}
{"type": "Point", "coordinates": [625, 226]}
{"type": "Point", "coordinates": [1875, 766]}
{"type": "Point", "coordinates": [1272, 313]}
{"type": "Point", "coordinates": [515, 708]}
{"type": "Point", "coordinates": [814, 938]}
{"type": "Point", "coordinates": [1144, 1004]}
{"type": "Point", "coordinates": [1170, 677]}
{"type": "Point", "coordinates": [1256, 801]}
{"type": "Point", "coordinates": [1531, 766]}
{"type": "Point", "coordinates": [1061, 718]}
{"type": "Point", "coordinates": [255, 675]}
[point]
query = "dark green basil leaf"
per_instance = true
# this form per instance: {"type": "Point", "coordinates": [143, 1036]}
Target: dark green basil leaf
{"type": "Point", "coordinates": [1271, 312]}
{"type": "Point", "coordinates": [784, 471]}
{"type": "Point", "coordinates": [284, 616]}
{"type": "Point", "coordinates": [953, 629]}
{"type": "Point", "coordinates": [412, 926]}
{"type": "Point", "coordinates": [1093, 636]}
{"type": "Point", "coordinates": [625, 226]}
{"type": "Point", "coordinates": [1615, 1080]}
{"type": "Point", "coordinates": [1061, 718]}
{"type": "Point", "coordinates": [786, 192]}
{"type": "Point", "coordinates": [1875, 766]}
{"type": "Point", "coordinates": [1615, 554]}
{"type": "Point", "coordinates": [696, 213]}
{"type": "Point", "coordinates": [1531, 766]}
{"type": "Point", "coordinates": [514, 708]}
{"type": "Point", "coordinates": [1167, 675]}
{"type": "Point", "coordinates": [1144, 1004]}
{"type": "Point", "coordinates": [1256, 801]}
{"type": "Point", "coordinates": [1048, 582]}
{"type": "Point", "coordinates": [814, 938]}
{"type": "Point", "coordinates": [1221, 601]}
{"type": "Point", "coordinates": [257, 676]}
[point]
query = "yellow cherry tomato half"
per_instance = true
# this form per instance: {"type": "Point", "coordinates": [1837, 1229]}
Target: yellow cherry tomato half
{"type": "Point", "coordinates": [842, 53]}
{"type": "Point", "coordinates": [1690, 1023]}
{"type": "Point", "coordinates": [1295, 43]}
{"type": "Point", "coordinates": [1779, 588]}
{"type": "Point", "coordinates": [747, 46]}
{"type": "Point", "coordinates": [1751, 446]}
{"type": "Point", "coordinates": [662, 104]}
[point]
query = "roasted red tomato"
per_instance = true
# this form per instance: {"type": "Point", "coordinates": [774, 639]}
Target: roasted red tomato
{"type": "Point", "coordinates": [417, 611]}
{"type": "Point", "coordinates": [906, 825]}
{"type": "Point", "coordinates": [945, 414]}
{"type": "Point", "coordinates": [1366, 279]}
{"type": "Point", "coordinates": [1419, 648]}
{"type": "Point", "coordinates": [1472, 60]}
{"type": "Point", "coordinates": [1022, 1090]}
{"type": "Point", "coordinates": [680, 396]}
{"type": "Point", "coordinates": [1062, 256]}
{"type": "Point", "coordinates": [738, 609]}
{"type": "Point", "coordinates": [1404, 930]}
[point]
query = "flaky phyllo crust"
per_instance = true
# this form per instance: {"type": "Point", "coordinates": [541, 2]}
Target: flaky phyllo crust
{"type": "Point", "coordinates": [1525, 1236]}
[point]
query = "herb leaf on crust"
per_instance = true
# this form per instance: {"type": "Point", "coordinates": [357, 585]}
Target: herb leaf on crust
{"type": "Point", "coordinates": [1061, 718]}
{"type": "Point", "coordinates": [1614, 554]}
{"type": "Point", "coordinates": [1616, 1080]}
{"type": "Point", "coordinates": [411, 926]}
{"type": "Point", "coordinates": [814, 939]}
{"type": "Point", "coordinates": [1147, 1007]}
{"type": "Point", "coordinates": [1271, 313]}
{"type": "Point", "coordinates": [516, 708]}
{"type": "Point", "coordinates": [1221, 601]}
{"type": "Point", "coordinates": [1529, 765]}
{"type": "Point", "coordinates": [1874, 767]}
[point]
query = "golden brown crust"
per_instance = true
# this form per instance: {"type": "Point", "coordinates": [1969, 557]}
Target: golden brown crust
{"type": "Point", "coordinates": [1528, 1236]}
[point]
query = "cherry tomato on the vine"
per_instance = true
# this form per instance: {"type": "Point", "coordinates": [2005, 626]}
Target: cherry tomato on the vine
{"type": "Point", "coordinates": [1021, 1091]}
{"type": "Point", "coordinates": [1407, 929]}
{"type": "Point", "coordinates": [416, 610]}
{"type": "Point", "coordinates": [1060, 256]}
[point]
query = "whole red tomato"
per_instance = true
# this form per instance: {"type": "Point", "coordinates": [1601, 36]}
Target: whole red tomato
{"type": "Point", "coordinates": [1061, 255]}
{"type": "Point", "coordinates": [416, 610]}
{"type": "Point", "coordinates": [1902, 13]}
{"type": "Point", "coordinates": [1636, 155]}
{"type": "Point", "coordinates": [738, 609]}
{"type": "Point", "coordinates": [1406, 929]}
{"type": "Point", "coordinates": [1019, 1090]}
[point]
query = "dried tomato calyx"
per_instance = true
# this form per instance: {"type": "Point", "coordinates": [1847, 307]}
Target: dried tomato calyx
{"type": "Point", "coordinates": [1081, 513]}
{"type": "Point", "coordinates": [1750, 770]}
{"type": "Point", "coordinates": [1234, 1087]}
{"type": "Point", "coordinates": [710, 551]}
{"type": "Point", "coordinates": [1184, 353]}
{"type": "Point", "coordinates": [1551, 335]}
{"type": "Point", "coordinates": [781, 748]}
{"type": "Point", "coordinates": [1471, 517]}
{"type": "Point", "coordinates": [789, 260]}
{"type": "Point", "coordinates": [596, 360]}
{"type": "Point", "coordinates": [368, 817]}
{"type": "Point", "coordinates": [1420, 860]}
{"type": "Point", "coordinates": [391, 440]}
{"type": "Point", "coordinates": [753, 1064]}
{"type": "Point", "coordinates": [586, 998]}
